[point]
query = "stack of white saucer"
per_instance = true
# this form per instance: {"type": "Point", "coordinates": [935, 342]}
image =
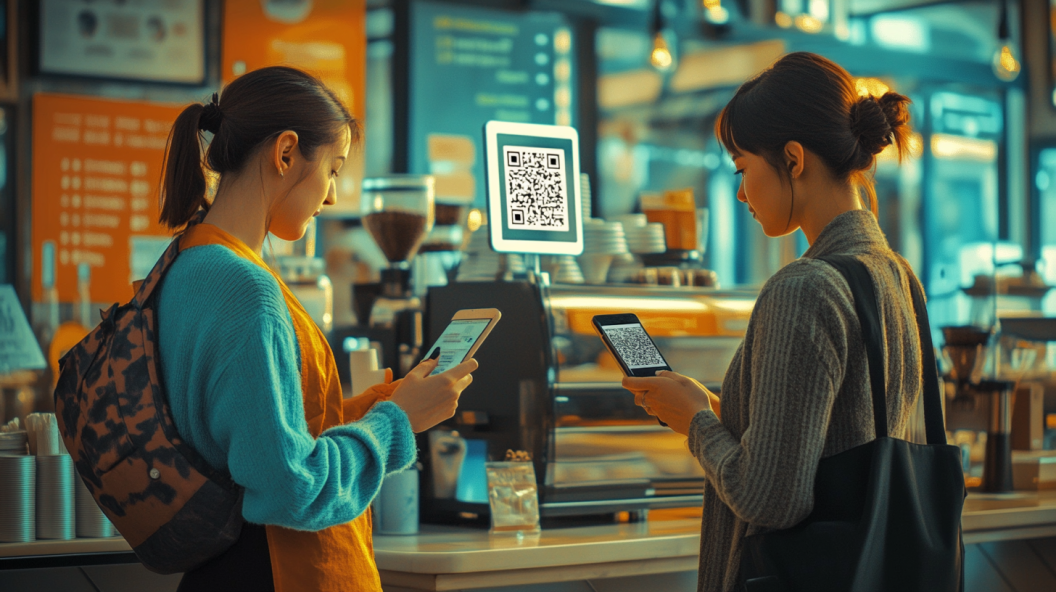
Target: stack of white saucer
{"type": "Point", "coordinates": [643, 237]}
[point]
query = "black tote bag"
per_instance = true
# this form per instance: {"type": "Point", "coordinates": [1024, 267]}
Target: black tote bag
{"type": "Point", "coordinates": [887, 514]}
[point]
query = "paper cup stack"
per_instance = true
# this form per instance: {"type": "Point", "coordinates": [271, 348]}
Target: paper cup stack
{"type": "Point", "coordinates": [55, 510]}
{"type": "Point", "coordinates": [624, 269]}
{"type": "Point", "coordinates": [55, 479]}
{"type": "Point", "coordinates": [601, 242]}
{"type": "Point", "coordinates": [18, 481]}
{"type": "Point", "coordinates": [585, 197]}
{"type": "Point", "coordinates": [479, 262]}
{"type": "Point", "coordinates": [91, 521]}
{"type": "Point", "coordinates": [566, 270]}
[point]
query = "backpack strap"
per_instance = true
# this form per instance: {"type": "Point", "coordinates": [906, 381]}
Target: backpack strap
{"type": "Point", "coordinates": [864, 292]}
{"type": "Point", "coordinates": [145, 288]}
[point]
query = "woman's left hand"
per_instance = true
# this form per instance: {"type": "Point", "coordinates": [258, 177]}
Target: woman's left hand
{"type": "Point", "coordinates": [671, 397]}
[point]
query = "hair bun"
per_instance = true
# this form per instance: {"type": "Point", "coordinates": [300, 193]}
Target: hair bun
{"type": "Point", "coordinates": [870, 125]}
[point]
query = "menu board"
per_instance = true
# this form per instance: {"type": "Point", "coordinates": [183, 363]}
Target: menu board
{"type": "Point", "coordinates": [471, 65]}
{"type": "Point", "coordinates": [327, 38]}
{"type": "Point", "coordinates": [159, 40]}
{"type": "Point", "coordinates": [97, 164]}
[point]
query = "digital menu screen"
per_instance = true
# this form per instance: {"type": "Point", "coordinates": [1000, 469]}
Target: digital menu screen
{"type": "Point", "coordinates": [472, 65]}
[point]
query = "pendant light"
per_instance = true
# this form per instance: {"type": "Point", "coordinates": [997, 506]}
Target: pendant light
{"type": "Point", "coordinates": [1006, 58]}
{"type": "Point", "coordinates": [661, 56]}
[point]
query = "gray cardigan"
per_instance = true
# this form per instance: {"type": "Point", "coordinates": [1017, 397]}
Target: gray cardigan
{"type": "Point", "coordinates": [797, 391]}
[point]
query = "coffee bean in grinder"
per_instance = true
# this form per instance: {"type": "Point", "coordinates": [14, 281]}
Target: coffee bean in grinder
{"type": "Point", "coordinates": [399, 213]}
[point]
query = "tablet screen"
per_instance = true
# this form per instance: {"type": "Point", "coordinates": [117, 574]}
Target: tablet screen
{"type": "Point", "coordinates": [456, 341]}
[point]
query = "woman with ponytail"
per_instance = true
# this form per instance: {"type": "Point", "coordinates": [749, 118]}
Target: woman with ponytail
{"type": "Point", "coordinates": [250, 380]}
{"type": "Point", "coordinates": [797, 390]}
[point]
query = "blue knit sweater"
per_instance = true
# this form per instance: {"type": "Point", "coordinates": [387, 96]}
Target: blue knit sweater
{"type": "Point", "coordinates": [231, 370]}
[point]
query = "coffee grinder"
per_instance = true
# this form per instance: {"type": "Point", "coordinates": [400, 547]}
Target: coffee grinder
{"type": "Point", "coordinates": [399, 214]}
{"type": "Point", "coordinates": [966, 348]}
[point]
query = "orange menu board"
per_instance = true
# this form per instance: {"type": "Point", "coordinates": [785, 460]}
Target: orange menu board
{"type": "Point", "coordinates": [96, 168]}
{"type": "Point", "coordinates": [327, 38]}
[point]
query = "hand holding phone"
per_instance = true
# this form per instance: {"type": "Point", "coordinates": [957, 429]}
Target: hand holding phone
{"type": "Point", "coordinates": [631, 345]}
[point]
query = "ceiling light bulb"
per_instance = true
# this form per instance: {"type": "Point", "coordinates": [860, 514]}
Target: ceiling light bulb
{"type": "Point", "coordinates": [1006, 62]}
{"type": "Point", "coordinates": [661, 57]}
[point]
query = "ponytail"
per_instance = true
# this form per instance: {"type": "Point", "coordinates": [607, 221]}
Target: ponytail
{"type": "Point", "coordinates": [183, 184]}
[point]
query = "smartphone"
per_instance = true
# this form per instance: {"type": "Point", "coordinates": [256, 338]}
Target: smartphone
{"type": "Point", "coordinates": [462, 337]}
{"type": "Point", "coordinates": [630, 344]}
{"type": "Point", "coordinates": [626, 338]}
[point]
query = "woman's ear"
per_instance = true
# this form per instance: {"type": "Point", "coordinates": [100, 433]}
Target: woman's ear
{"type": "Point", "coordinates": [284, 152]}
{"type": "Point", "coordinates": [794, 158]}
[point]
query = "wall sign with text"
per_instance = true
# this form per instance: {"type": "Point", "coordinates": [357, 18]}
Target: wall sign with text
{"type": "Point", "coordinates": [97, 164]}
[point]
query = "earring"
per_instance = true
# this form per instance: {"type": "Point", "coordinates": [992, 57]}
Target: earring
{"type": "Point", "coordinates": [282, 175]}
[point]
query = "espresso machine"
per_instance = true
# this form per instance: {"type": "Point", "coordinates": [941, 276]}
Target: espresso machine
{"type": "Point", "coordinates": [547, 385]}
{"type": "Point", "coordinates": [978, 404]}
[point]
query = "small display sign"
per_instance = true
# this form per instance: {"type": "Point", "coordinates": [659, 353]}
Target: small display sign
{"type": "Point", "coordinates": [18, 346]}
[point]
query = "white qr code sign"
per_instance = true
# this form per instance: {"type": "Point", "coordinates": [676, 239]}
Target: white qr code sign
{"type": "Point", "coordinates": [536, 190]}
{"type": "Point", "coordinates": [533, 182]}
{"type": "Point", "coordinates": [634, 346]}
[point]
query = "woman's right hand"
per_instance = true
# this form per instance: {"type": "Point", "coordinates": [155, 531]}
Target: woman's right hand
{"type": "Point", "coordinates": [428, 400]}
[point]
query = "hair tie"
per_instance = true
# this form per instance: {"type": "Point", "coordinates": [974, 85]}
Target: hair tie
{"type": "Point", "coordinates": [211, 116]}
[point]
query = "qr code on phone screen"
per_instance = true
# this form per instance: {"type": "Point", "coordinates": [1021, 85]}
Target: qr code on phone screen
{"type": "Point", "coordinates": [634, 346]}
{"type": "Point", "coordinates": [536, 193]}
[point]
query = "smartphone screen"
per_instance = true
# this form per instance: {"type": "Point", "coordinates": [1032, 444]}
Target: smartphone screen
{"type": "Point", "coordinates": [456, 341]}
{"type": "Point", "coordinates": [634, 346]}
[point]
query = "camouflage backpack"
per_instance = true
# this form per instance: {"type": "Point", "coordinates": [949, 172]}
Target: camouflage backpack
{"type": "Point", "coordinates": [175, 511]}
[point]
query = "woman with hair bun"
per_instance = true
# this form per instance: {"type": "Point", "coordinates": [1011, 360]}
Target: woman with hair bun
{"type": "Point", "coordinates": [797, 390]}
{"type": "Point", "coordinates": [251, 382]}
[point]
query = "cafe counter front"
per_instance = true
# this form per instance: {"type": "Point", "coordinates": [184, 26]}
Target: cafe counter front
{"type": "Point", "coordinates": [1010, 547]}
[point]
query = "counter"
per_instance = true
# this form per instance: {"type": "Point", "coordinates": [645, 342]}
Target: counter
{"type": "Point", "coordinates": [455, 558]}
{"type": "Point", "coordinates": [450, 558]}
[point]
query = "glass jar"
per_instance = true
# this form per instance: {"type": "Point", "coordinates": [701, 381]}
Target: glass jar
{"type": "Point", "coordinates": [306, 277]}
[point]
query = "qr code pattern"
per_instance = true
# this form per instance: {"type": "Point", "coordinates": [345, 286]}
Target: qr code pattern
{"type": "Point", "coordinates": [536, 192]}
{"type": "Point", "coordinates": [634, 346]}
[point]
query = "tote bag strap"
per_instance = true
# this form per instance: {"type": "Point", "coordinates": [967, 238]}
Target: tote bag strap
{"type": "Point", "coordinates": [864, 292]}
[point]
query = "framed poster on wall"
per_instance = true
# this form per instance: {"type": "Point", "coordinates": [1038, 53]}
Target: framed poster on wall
{"type": "Point", "coordinates": [154, 40]}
